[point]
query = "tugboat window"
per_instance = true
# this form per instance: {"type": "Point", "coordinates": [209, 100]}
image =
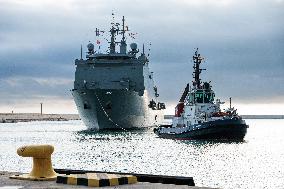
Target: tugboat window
{"type": "Point", "coordinates": [199, 97]}
{"type": "Point", "coordinates": [207, 97]}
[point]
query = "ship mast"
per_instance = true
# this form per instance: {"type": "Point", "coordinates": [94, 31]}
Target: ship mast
{"type": "Point", "coordinates": [114, 31]}
{"type": "Point", "coordinates": [197, 59]}
{"type": "Point", "coordinates": [123, 42]}
{"type": "Point", "coordinates": [123, 30]}
{"type": "Point", "coordinates": [112, 39]}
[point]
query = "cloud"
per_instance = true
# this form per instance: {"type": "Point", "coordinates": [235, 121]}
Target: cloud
{"type": "Point", "coordinates": [16, 89]}
{"type": "Point", "coordinates": [242, 42]}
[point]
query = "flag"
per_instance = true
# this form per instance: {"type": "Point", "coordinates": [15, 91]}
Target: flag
{"type": "Point", "coordinates": [132, 35]}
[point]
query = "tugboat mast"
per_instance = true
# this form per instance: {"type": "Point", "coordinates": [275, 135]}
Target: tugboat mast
{"type": "Point", "coordinates": [197, 59]}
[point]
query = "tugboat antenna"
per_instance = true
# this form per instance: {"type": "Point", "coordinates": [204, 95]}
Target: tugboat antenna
{"type": "Point", "coordinates": [197, 59]}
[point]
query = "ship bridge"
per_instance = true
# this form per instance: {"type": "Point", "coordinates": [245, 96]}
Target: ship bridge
{"type": "Point", "coordinates": [201, 96]}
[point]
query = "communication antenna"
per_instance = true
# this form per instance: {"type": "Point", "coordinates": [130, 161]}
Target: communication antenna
{"type": "Point", "coordinates": [149, 49]}
{"type": "Point", "coordinates": [123, 29]}
{"type": "Point", "coordinates": [112, 13]}
{"type": "Point", "coordinates": [113, 32]}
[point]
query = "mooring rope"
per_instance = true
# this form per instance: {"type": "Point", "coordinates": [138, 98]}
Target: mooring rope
{"type": "Point", "coordinates": [107, 115]}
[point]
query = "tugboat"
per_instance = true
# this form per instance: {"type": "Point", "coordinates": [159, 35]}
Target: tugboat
{"type": "Point", "coordinates": [198, 116]}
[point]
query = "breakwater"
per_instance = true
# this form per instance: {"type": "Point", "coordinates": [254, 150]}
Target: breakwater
{"type": "Point", "coordinates": [263, 116]}
{"type": "Point", "coordinates": [247, 116]}
{"type": "Point", "coordinates": [26, 117]}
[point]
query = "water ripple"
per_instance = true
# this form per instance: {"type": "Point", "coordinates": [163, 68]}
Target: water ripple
{"type": "Point", "coordinates": [256, 162]}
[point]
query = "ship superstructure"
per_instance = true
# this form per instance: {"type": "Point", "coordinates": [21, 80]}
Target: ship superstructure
{"type": "Point", "coordinates": [116, 90]}
{"type": "Point", "coordinates": [198, 115]}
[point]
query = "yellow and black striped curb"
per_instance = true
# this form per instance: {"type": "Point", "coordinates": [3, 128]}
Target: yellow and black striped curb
{"type": "Point", "coordinates": [177, 180]}
{"type": "Point", "coordinates": [96, 179]}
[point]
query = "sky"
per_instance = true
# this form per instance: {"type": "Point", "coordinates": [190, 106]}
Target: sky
{"type": "Point", "coordinates": [242, 42]}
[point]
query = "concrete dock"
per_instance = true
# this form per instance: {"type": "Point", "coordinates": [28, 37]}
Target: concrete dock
{"type": "Point", "coordinates": [7, 183]}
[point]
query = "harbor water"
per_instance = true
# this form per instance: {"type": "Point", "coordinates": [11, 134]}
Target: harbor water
{"type": "Point", "coordinates": [258, 162]}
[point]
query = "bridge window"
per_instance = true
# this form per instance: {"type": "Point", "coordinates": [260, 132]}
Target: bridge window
{"type": "Point", "coordinates": [199, 97]}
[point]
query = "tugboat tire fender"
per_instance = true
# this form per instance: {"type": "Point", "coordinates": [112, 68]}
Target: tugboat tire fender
{"type": "Point", "coordinates": [235, 118]}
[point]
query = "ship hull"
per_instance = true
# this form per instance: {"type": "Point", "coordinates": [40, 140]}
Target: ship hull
{"type": "Point", "coordinates": [115, 109]}
{"type": "Point", "coordinates": [231, 129]}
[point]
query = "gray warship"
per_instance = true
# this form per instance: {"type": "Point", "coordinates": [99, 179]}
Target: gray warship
{"type": "Point", "coordinates": [116, 90]}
